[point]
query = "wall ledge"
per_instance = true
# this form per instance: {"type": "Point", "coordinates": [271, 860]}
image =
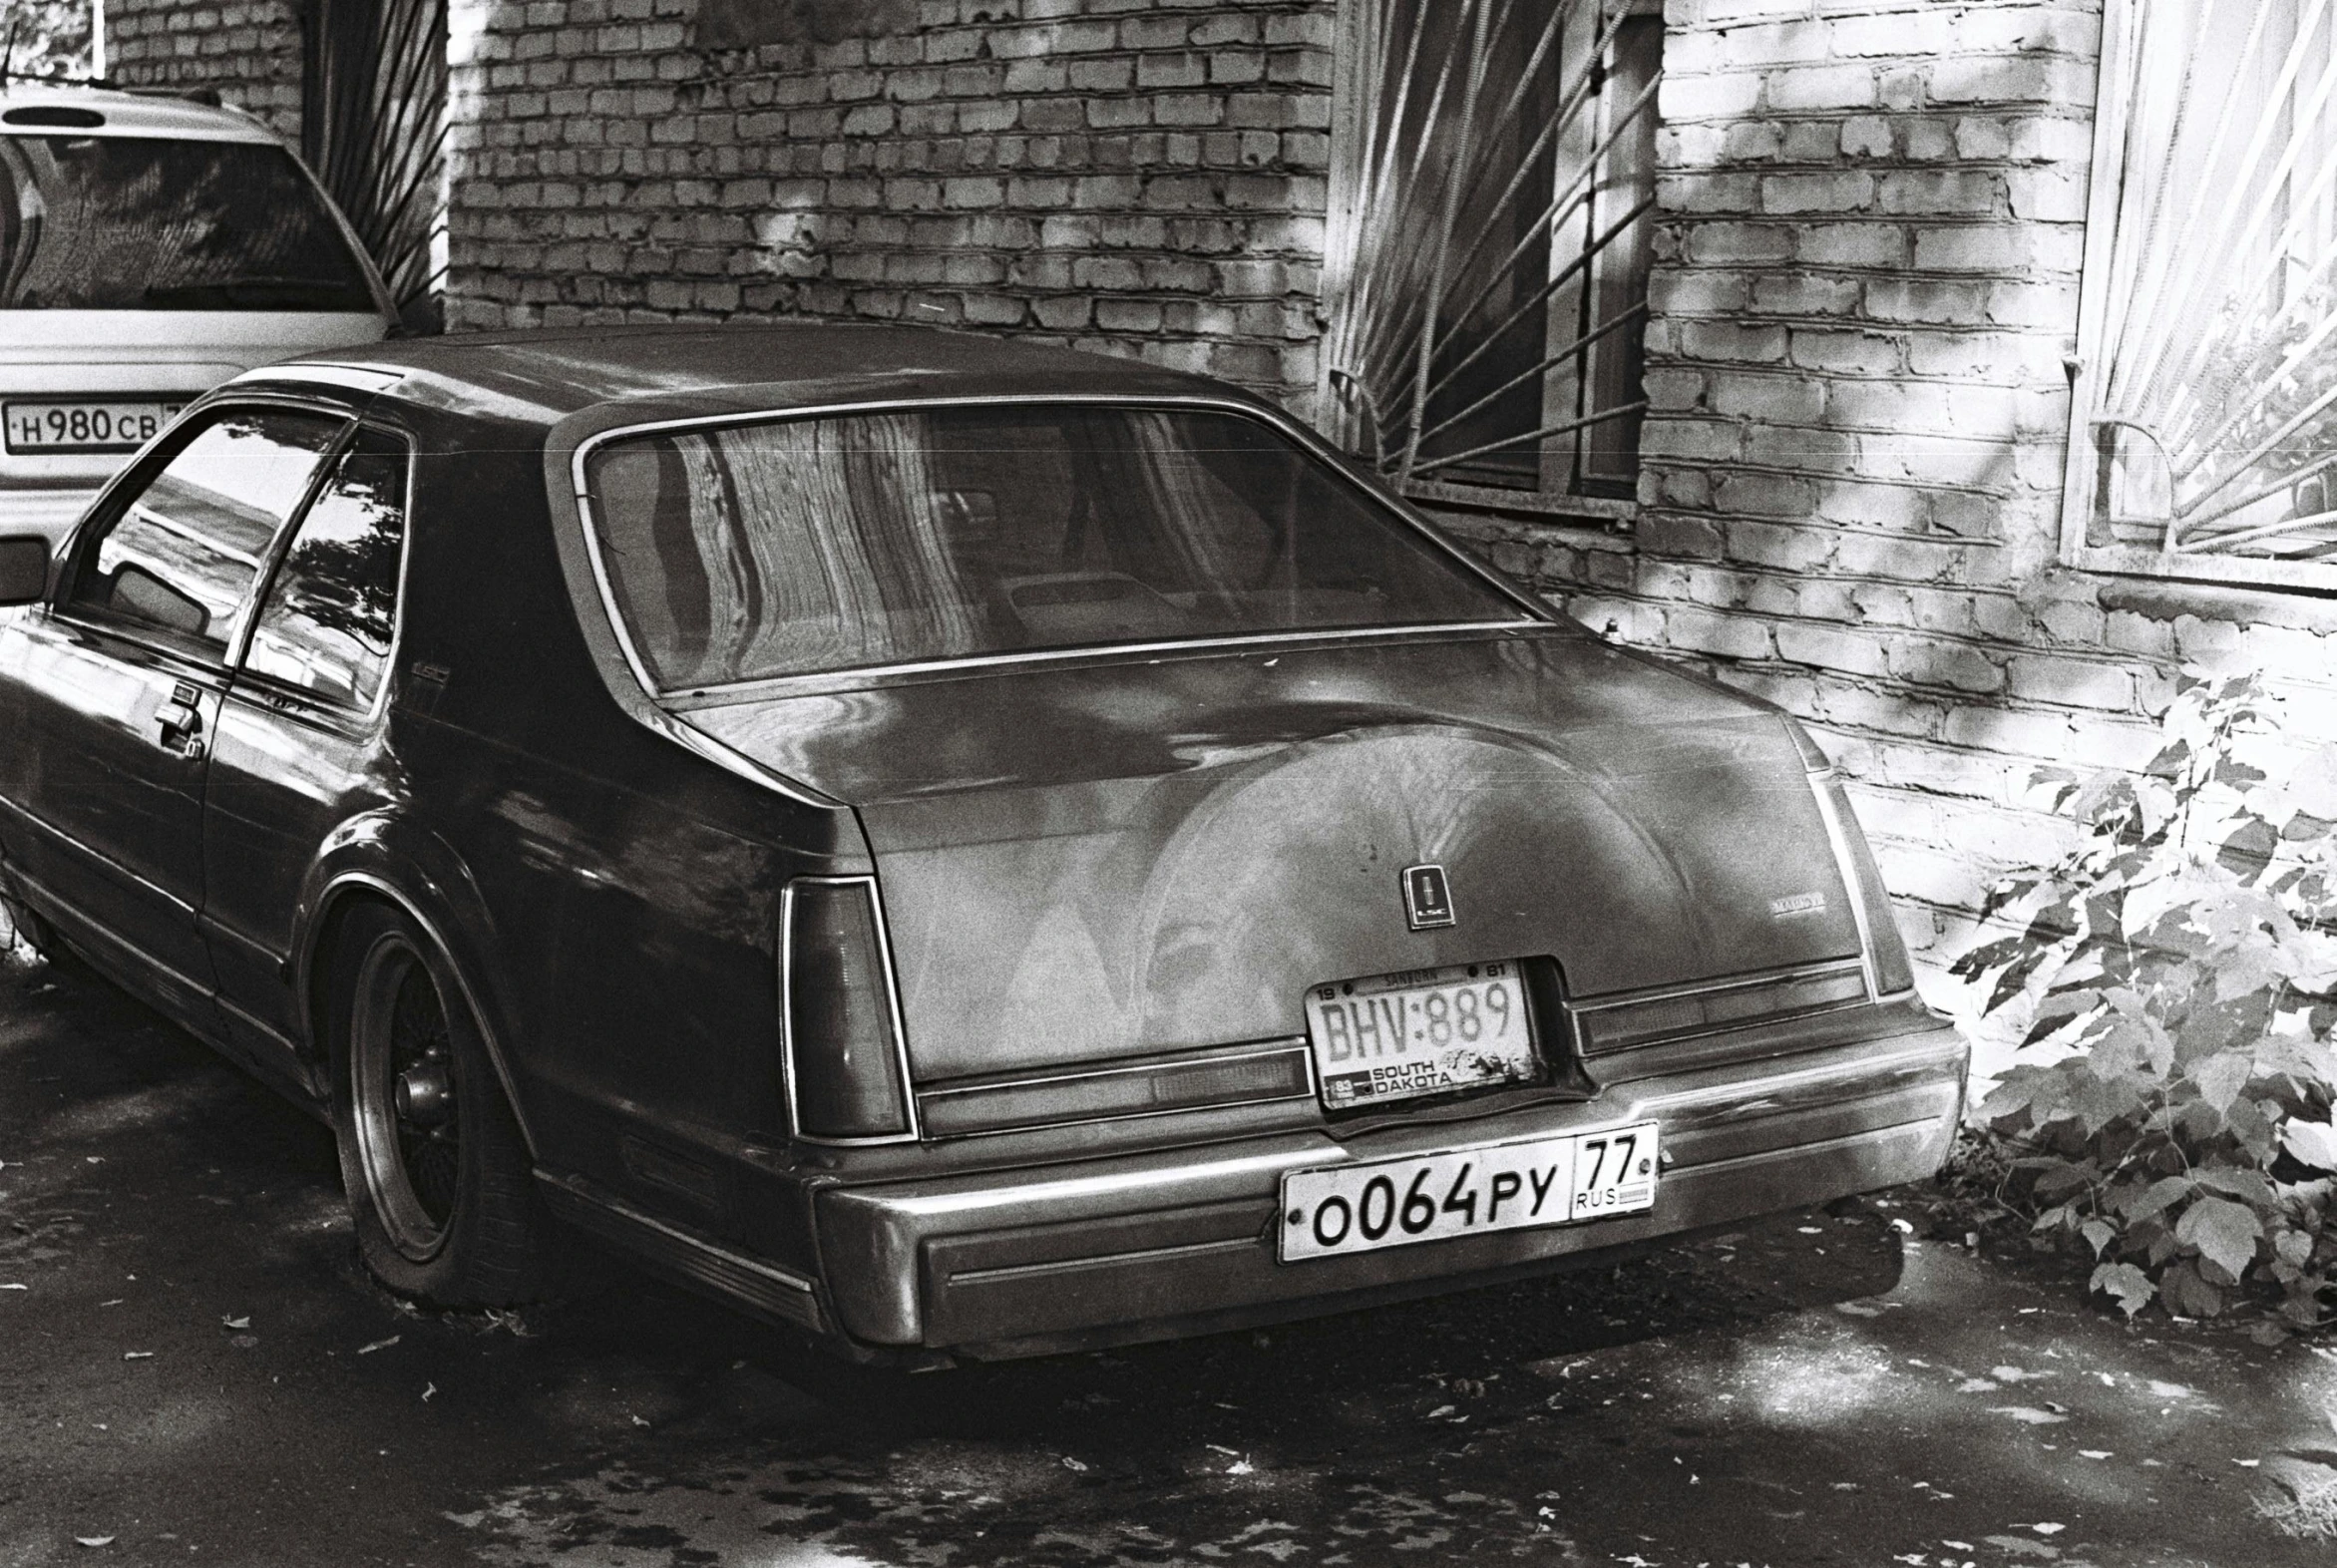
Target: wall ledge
{"type": "Point", "coordinates": [2169, 599]}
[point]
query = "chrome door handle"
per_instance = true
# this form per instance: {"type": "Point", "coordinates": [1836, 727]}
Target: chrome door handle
{"type": "Point", "coordinates": [181, 729]}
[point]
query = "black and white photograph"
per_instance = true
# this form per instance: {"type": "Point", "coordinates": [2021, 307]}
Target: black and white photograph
{"type": "Point", "coordinates": [1162, 783]}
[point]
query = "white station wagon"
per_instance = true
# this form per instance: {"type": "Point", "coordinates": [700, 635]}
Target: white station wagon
{"type": "Point", "coordinates": [150, 250]}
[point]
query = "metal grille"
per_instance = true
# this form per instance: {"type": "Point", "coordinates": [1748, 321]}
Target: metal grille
{"type": "Point", "coordinates": [2211, 423]}
{"type": "Point", "coordinates": [373, 127]}
{"type": "Point", "coordinates": [1489, 241]}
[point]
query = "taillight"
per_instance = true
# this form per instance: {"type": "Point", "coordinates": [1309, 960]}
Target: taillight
{"type": "Point", "coordinates": [846, 1075]}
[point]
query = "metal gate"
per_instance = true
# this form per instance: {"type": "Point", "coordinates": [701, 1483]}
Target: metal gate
{"type": "Point", "coordinates": [2207, 393]}
{"type": "Point", "coordinates": [1489, 239]}
{"type": "Point", "coordinates": [373, 127]}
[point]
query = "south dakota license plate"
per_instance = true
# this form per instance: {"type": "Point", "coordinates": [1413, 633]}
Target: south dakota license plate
{"type": "Point", "coordinates": [1422, 1031]}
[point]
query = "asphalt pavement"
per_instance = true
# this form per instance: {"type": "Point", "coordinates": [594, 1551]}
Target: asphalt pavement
{"type": "Point", "coordinates": [193, 1369]}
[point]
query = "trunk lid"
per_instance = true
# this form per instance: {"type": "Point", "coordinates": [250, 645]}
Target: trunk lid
{"type": "Point", "coordinates": [1147, 853]}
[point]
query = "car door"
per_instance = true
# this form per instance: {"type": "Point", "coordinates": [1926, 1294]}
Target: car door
{"type": "Point", "coordinates": [297, 746]}
{"type": "Point", "coordinates": [115, 689]}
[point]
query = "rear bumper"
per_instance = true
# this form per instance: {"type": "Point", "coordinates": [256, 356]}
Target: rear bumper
{"type": "Point", "coordinates": [1023, 1263]}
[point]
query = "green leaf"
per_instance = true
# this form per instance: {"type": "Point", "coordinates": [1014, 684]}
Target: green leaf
{"type": "Point", "coordinates": [2100, 1234]}
{"type": "Point", "coordinates": [2187, 1294]}
{"type": "Point", "coordinates": [2128, 1285]}
{"type": "Point", "coordinates": [2223, 1077]}
{"type": "Point", "coordinates": [2224, 1232]}
{"type": "Point", "coordinates": [2312, 1142]}
{"type": "Point", "coordinates": [2161, 1195]}
{"type": "Point", "coordinates": [1979, 960]}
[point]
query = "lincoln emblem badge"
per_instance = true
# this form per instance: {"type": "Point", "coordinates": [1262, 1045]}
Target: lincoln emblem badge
{"type": "Point", "coordinates": [1427, 900]}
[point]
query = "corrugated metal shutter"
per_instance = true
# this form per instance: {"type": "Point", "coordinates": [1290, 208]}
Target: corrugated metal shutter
{"type": "Point", "coordinates": [1490, 240]}
{"type": "Point", "coordinates": [373, 127]}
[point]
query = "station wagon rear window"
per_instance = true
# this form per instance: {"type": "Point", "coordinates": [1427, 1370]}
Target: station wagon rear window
{"type": "Point", "coordinates": [745, 552]}
{"type": "Point", "coordinates": [142, 223]}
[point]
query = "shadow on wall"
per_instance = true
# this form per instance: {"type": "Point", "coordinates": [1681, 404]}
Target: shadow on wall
{"type": "Point", "coordinates": [749, 24]}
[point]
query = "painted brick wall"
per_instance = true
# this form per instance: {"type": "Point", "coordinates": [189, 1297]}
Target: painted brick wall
{"type": "Point", "coordinates": [1139, 177]}
{"type": "Point", "coordinates": [249, 49]}
{"type": "Point", "coordinates": [1872, 226]}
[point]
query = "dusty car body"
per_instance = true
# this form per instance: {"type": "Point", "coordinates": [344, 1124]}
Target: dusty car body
{"type": "Point", "coordinates": [1110, 982]}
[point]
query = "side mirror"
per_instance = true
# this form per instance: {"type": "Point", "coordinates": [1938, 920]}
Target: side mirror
{"type": "Point", "coordinates": [24, 568]}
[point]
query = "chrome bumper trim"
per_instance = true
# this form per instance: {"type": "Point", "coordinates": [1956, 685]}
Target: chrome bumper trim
{"type": "Point", "coordinates": [694, 1259]}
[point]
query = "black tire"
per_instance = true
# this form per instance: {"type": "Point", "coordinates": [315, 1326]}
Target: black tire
{"type": "Point", "coordinates": [36, 931]}
{"type": "Point", "coordinates": [438, 1180]}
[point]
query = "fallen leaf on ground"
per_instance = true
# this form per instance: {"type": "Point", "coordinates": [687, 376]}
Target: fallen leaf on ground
{"type": "Point", "coordinates": [637, 1421]}
{"type": "Point", "coordinates": [15, 1287]}
{"type": "Point", "coordinates": [2094, 1453]}
{"type": "Point", "coordinates": [137, 1355]}
{"type": "Point", "coordinates": [93, 1540]}
{"type": "Point", "coordinates": [1240, 1467]}
{"type": "Point", "coordinates": [428, 1392]}
{"type": "Point", "coordinates": [1811, 1230]}
{"type": "Point", "coordinates": [2247, 1464]}
{"type": "Point", "coordinates": [235, 1322]}
{"type": "Point", "coordinates": [379, 1345]}
{"type": "Point", "coordinates": [1070, 1464]}
{"type": "Point", "coordinates": [2048, 1529]}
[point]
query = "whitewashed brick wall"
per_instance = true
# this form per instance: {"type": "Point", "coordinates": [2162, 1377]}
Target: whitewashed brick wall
{"type": "Point", "coordinates": [249, 50]}
{"type": "Point", "coordinates": [1139, 177]}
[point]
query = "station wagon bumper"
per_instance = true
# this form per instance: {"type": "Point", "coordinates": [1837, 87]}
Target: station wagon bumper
{"type": "Point", "coordinates": [1022, 1263]}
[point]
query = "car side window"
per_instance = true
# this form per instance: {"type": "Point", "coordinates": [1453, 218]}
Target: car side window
{"type": "Point", "coordinates": [180, 556]}
{"type": "Point", "coordinates": [330, 613]}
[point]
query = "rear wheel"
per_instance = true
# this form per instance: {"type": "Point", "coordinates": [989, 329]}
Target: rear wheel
{"type": "Point", "coordinates": [438, 1180]}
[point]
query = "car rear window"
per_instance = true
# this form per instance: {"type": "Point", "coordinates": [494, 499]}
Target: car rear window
{"type": "Point", "coordinates": [791, 546]}
{"type": "Point", "coordinates": [136, 223]}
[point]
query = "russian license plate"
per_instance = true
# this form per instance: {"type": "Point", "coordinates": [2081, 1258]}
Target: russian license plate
{"type": "Point", "coordinates": [1423, 1031]}
{"type": "Point", "coordinates": [84, 427]}
{"type": "Point", "coordinates": [1468, 1192]}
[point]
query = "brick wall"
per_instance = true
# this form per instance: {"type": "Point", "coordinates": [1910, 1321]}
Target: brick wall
{"type": "Point", "coordinates": [1139, 177]}
{"type": "Point", "coordinates": [247, 49]}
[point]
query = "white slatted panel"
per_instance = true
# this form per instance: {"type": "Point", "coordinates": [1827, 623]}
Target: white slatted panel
{"type": "Point", "coordinates": [2212, 426]}
{"type": "Point", "coordinates": [1487, 248]}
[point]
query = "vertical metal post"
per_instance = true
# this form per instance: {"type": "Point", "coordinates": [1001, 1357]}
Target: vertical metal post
{"type": "Point", "coordinates": [1456, 179]}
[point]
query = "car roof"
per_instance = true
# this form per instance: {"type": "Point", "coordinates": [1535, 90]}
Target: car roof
{"type": "Point", "coordinates": [627, 374]}
{"type": "Point", "coordinates": [125, 114]}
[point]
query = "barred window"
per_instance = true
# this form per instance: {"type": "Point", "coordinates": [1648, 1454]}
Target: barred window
{"type": "Point", "coordinates": [2205, 419]}
{"type": "Point", "coordinates": [1490, 234]}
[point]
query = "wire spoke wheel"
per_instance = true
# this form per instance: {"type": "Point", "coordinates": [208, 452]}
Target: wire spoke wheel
{"type": "Point", "coordinates": [403, 1087]}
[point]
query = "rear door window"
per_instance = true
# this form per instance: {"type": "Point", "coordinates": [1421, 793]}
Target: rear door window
{"type": "Point", "coordinates": [330, 613]}
{"type": "Point", "coordinates": [179, 556]}
{"type": "Point", "coordinates": [102, 222]}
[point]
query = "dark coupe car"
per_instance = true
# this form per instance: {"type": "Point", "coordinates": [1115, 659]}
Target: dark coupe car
{"type": "Point", "coordinates": [959, 848]}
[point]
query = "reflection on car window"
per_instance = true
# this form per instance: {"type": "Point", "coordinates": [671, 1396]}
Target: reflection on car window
{"type": "Point", "coordinates": [829, 543]}
{"type": "Point", "coordinates": [181, 556]}
{"type": "Point", "coordinates": [326, 624]}
{"type": "Point", "coordinates": [142, 224]}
